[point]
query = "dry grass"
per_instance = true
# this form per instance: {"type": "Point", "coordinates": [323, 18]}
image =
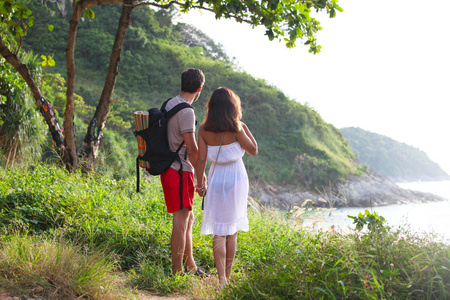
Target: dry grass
{"type": "Point", "coordinates": [53, 269]}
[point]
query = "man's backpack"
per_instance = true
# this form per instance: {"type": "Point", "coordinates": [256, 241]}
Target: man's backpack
{"type": "Point", "coordinates": [153, 145]}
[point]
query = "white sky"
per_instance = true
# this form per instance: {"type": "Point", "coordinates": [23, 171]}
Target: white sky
{"type": "Point", "coordinates": [384, 67]}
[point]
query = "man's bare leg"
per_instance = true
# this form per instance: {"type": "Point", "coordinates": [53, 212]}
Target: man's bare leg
{"type": "Point", "coordinates": [178, 240]}
{"type": "Point", "coordinates": [188, 255]}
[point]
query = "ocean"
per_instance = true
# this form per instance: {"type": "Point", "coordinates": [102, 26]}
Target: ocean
{"type": "Point", "coordinates": [432, 217]}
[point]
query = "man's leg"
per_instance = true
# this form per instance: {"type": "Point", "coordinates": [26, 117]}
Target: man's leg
{"type": "Point", "coordinates": [188, 255]}
{"type": "Point", "coordinates": [178, 240]}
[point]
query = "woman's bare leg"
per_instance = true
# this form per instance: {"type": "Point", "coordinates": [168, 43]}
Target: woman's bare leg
{"type": "Point", "coordinates": [219, 250]}
{"type": "Point", "coordinates": [231, 252]}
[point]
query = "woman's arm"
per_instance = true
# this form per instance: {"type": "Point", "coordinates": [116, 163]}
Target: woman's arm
{"type": "Point", "coordinates": [247, 141]}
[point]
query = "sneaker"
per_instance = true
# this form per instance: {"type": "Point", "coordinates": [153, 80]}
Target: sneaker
{"type": "Point", "coordinates": [200, 273]}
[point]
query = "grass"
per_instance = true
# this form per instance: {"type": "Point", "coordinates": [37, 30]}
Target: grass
{"type": "Point", "coordinates": [53, 269]}
{"type": "Point", "coordinates": [66, 236]}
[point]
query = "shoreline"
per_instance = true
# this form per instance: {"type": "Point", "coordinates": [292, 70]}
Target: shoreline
{"type": "Point", "coordinates": [367, 190]}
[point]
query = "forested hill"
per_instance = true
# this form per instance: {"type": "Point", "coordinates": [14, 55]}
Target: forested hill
{"type": "Point", "coordinates": [393, 159]}
{"type": "Point", "coordinates": [296, 145]}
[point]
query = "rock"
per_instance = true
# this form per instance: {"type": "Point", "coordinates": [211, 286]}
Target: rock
{"type": "Point", "coordinates": [367, 190]}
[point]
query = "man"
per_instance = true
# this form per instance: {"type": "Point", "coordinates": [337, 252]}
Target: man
{"type": "Point", "coordinates": [181, 127]}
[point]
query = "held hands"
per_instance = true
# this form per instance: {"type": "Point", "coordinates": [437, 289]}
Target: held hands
{"type": "Point", "coordinates": [200, 190]}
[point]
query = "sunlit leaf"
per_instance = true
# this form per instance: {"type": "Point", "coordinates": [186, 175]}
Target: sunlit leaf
{"type": "Point", "coordinates": [90, 13]}
{"type": "Point", "coordinates": [50, 27]}
{"type": "Point", "coordinates": [332, 12]}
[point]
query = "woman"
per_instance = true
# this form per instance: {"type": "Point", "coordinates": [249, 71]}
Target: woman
{"type": "Point", "coordinates": [223, 139]}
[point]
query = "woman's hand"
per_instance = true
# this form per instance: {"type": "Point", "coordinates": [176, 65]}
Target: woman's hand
{"type": "Point", "coordinates": [201, 190]}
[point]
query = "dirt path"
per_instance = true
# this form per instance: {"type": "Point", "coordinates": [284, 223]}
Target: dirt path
{"type": "Point", "coordinates": [5, 296]}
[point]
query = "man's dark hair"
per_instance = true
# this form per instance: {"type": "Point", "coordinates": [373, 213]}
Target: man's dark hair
{"type": "Point", "coordinates": [191, 80]}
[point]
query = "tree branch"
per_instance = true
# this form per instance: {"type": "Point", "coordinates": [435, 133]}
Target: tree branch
{"type": "Point", "coordinates": [44, 106]}
{"type": "Point", "coordinates": [171, 3]}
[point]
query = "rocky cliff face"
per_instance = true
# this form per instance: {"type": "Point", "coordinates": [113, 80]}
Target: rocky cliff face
{"type": "Point", "coordinates": [368, 190]}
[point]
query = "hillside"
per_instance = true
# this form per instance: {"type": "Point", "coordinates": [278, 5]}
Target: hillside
{"type": "Point", "coordinates": [297, 147]}
{"type": "Point", "coordinates": [393, 159]}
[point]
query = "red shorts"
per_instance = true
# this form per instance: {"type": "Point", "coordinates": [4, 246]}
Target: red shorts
{"type": "Point", "coordinates": [170, 181]}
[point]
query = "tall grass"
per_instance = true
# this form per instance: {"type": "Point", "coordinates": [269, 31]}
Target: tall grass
{"type": "Point", "coordinates": [103, 221]}
{"type": "Point", "coordinates": [53, 269]}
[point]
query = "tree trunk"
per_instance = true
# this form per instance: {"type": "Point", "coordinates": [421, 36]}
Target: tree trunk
{"type": "Point", "coordinates": [94, 132]}
{"type": "Point", "coordinates": [70, 62]}
{"type": "Point", "coordinates": [9, 153]}
{"type": "Point", "coordinates": [15, 153]}
{"type": "Point", "coordinates": [44, 106]}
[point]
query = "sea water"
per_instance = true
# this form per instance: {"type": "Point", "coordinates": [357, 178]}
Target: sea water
{"type": "Point", "coordinates": [431, 217]}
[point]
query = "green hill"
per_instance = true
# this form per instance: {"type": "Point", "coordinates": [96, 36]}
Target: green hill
{"type": "Point", "coordinates": [391, 158]}
{"type": "Point", "coordinates": [296, 145]}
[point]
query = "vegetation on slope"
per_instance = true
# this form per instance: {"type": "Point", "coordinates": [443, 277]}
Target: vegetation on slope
{"type": "Point", "coordinates": [391, 158]}
{"type": "Point", "coordinates": [297, 146]}
{"type": "Point", "coordinates": [100, 230]}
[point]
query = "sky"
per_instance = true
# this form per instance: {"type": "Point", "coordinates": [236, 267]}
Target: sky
{"type": "Point", "coordinates": [384, 67]}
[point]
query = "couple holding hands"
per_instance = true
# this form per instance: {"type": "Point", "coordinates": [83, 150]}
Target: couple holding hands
{"type": "Point", "coordinates": [223, 140]}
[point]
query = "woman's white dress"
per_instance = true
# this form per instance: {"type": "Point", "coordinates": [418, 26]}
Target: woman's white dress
{"type": "Point", "coordinates": [225, 209]}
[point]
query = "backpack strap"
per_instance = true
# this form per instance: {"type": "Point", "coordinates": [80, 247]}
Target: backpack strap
{"type": "Point", "coordinates": [163, 106]}
{"type": "Point", "coordinates": [176, 108]}
{"type": "Point", "coordinates": [180, 172]}
{"type": "Point", "coordinates": [137, 174]}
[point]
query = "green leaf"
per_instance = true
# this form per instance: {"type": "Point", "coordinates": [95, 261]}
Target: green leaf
{"type": "Point", "coordinates": [19, 32]}
{"type": "Point", "coordinates": [44, 60]}
{"type": "Point", "coordinates": [270, 34]}
{"type": "Point", "coordinates": [90, 13]}
{"type": "Point", "coordinates": [50, 27]}
{"type": "Point", "coordinates": [332, 12]}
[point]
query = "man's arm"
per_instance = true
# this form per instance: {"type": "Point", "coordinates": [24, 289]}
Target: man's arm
{"type": "Point", "coordinates": [191, 147]}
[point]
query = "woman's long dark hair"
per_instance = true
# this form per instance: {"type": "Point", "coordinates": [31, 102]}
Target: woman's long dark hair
{"type": "Point", "coordinates": [224, 111]}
